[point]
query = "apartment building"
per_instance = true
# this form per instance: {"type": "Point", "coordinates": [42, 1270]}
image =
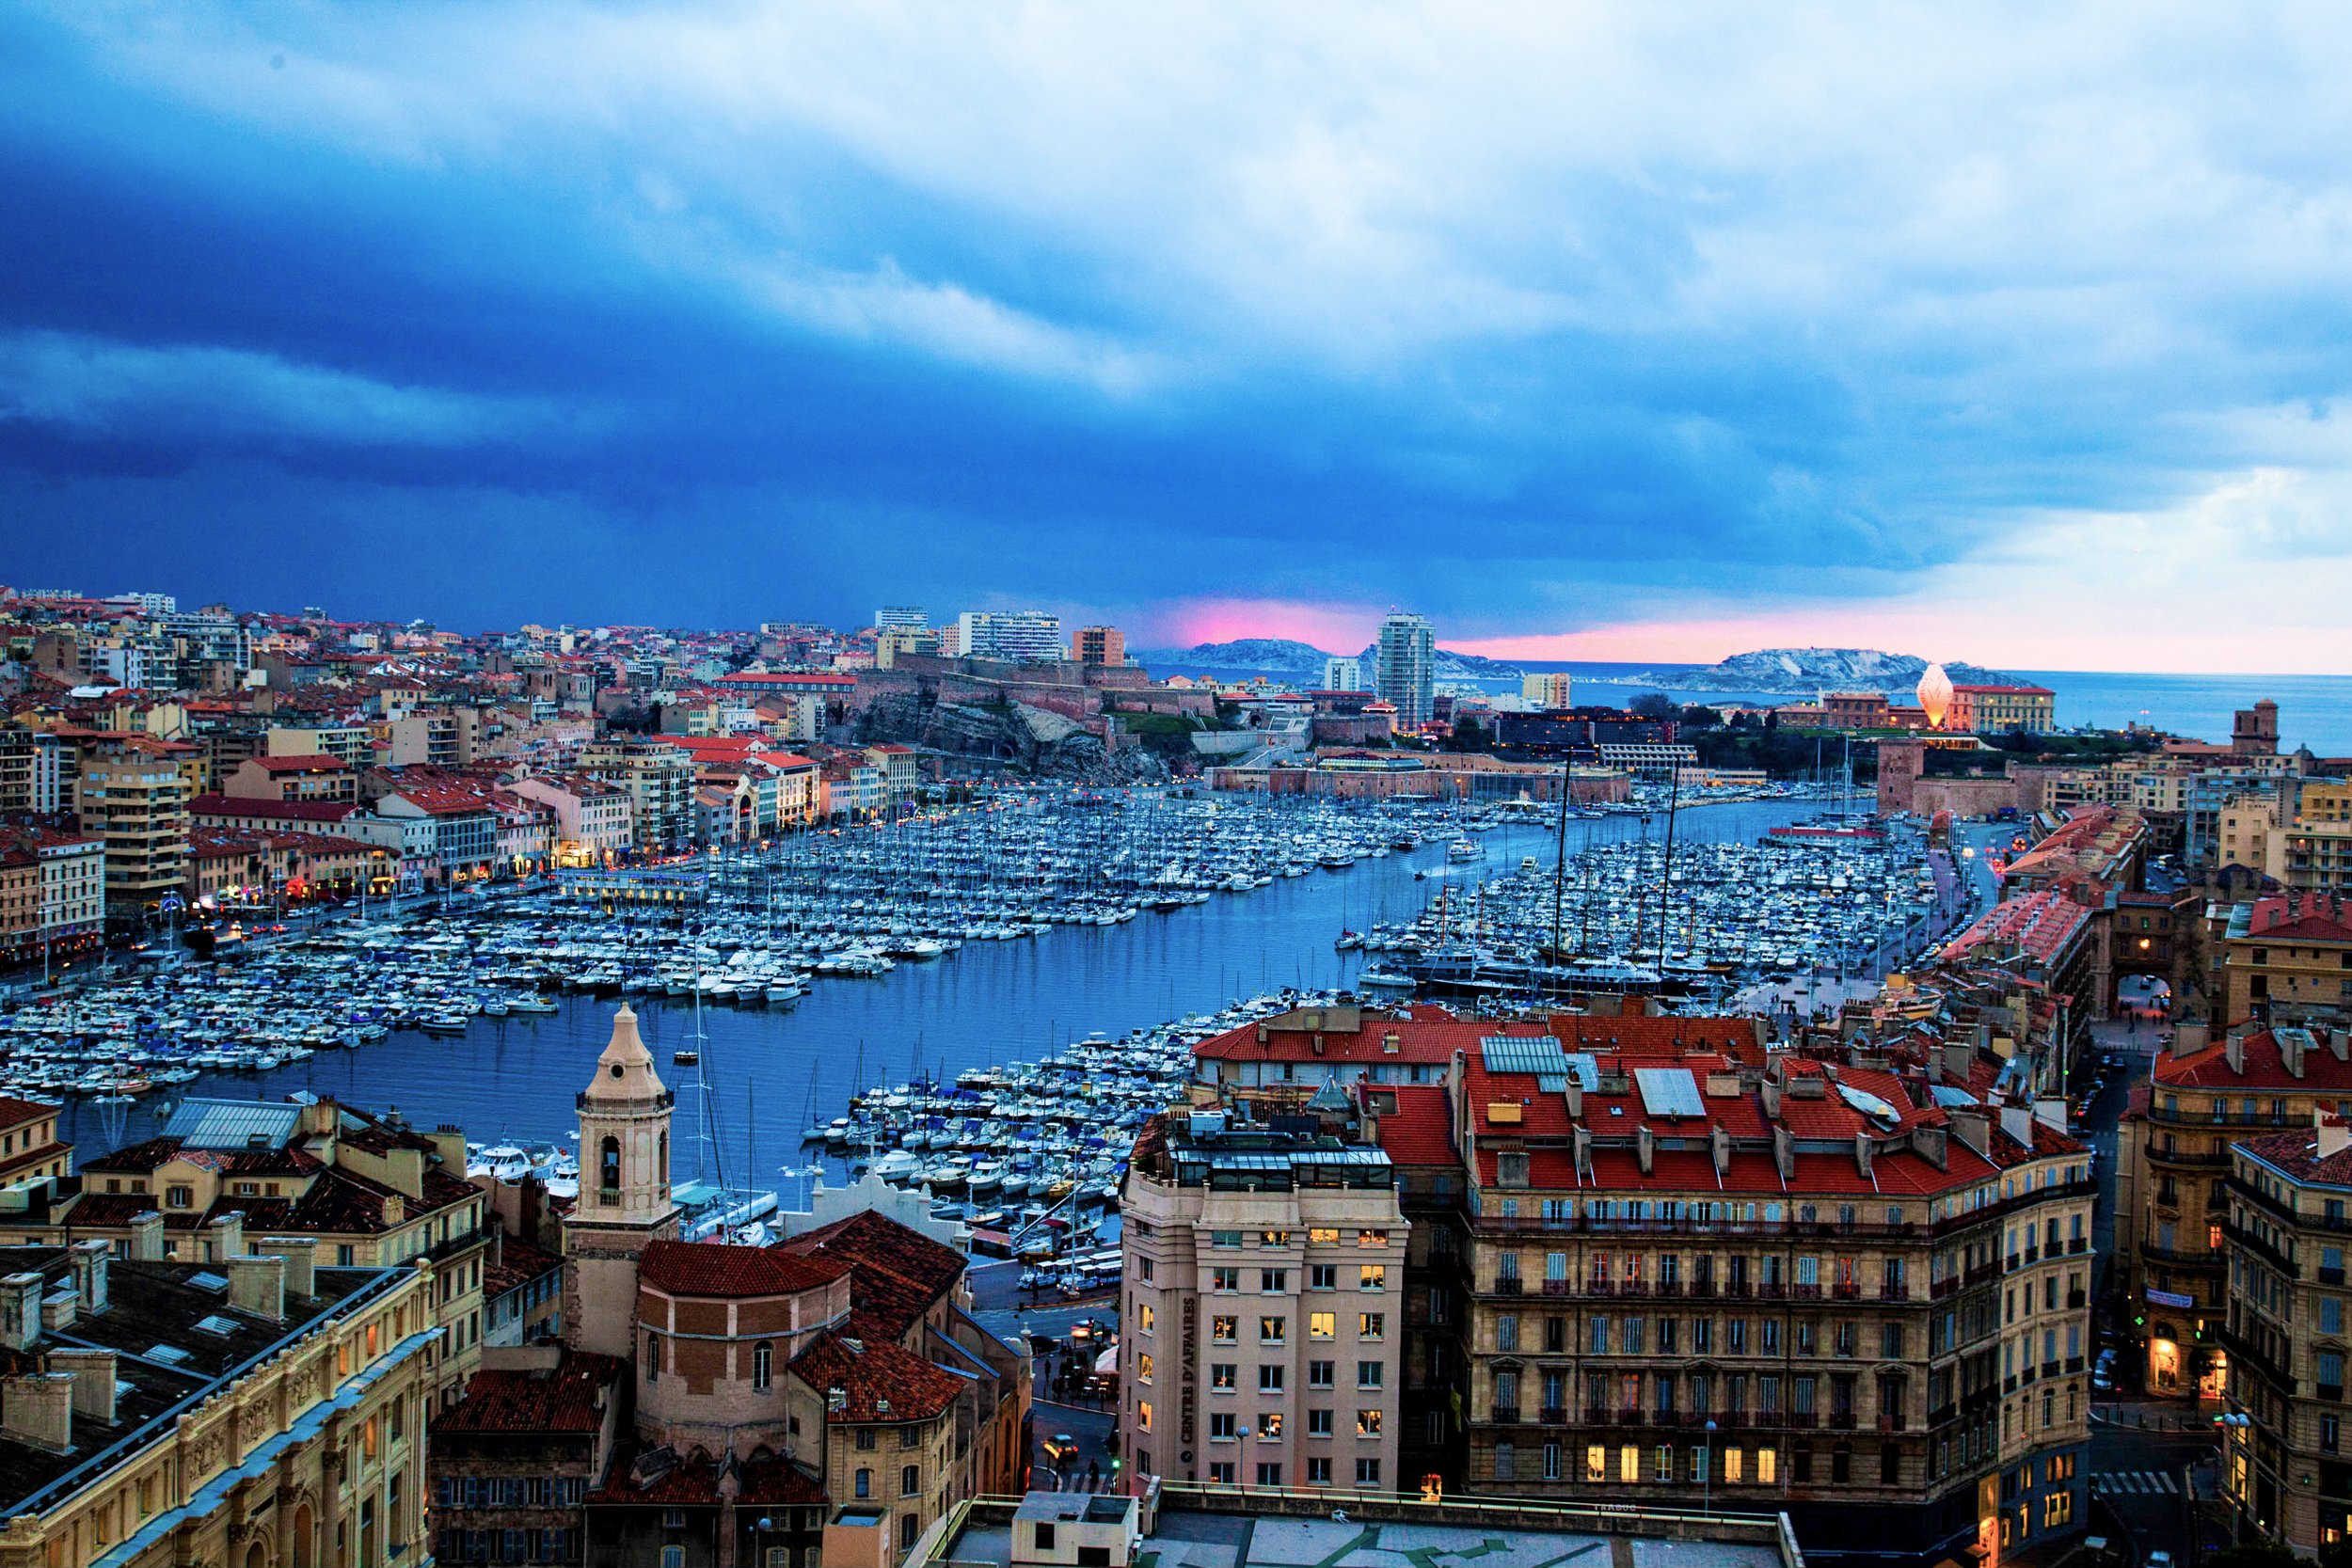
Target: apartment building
{"type": "Point", "coordinates": [658, 780]}
{"type": "Point", "coordinates": [1826, 1289]}
{"type": "Point", "coordinates": [329, 1186]}
{"type": "Point", "coordinates": [52, 891]}
{"type": "Point", "coordinates": [134, 792]}
{"type": "Point", "coordinates": [2174, 1157]}
{"type": "Point", "coordinates": [2284, 958]}
{"type": "Point", "coordinates": [2285, 1466]}
{"type": "Point", "coordinates": [593, 822]}
{"type": "Point", "coordinates": [1995, 709]}
{"type": "Point", "coordinates": [257, 1411]}
{"type": "Point", "coordinates": [1261, 1337]}
{"type": "Point", "coordinates": [313, 776]}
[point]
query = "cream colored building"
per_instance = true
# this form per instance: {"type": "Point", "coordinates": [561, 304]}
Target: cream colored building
{"type": "Point", "coordinates": [256, 1412]}
{"type": "Point", "coordinates": [1261, 1339]}
{"type": "Point", "coordinates": [2289, 1193]}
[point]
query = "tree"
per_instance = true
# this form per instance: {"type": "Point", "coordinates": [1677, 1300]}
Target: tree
{"type": "Point", "coordinates": [1655, 704]}
{"type": "Point", "coordinates": [2254, 1553]}
{"type": "Point", "coordinates": [1468, 735]}
{"type": "Point", "coordinates": [1700, 717]}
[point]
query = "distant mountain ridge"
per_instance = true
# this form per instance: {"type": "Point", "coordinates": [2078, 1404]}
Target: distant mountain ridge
{"type": "Point", "coordinates": [1805, 672]}
{"type": "Point", "coordinates": [1283, 656]}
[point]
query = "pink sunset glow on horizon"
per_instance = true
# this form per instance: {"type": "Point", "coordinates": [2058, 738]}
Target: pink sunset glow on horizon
{"type": "Point", "coordinates": [2029, 635]}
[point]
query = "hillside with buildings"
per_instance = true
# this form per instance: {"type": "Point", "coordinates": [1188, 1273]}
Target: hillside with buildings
{"type": "Point", "coordinates": [1284, 655]}
{"type": "Point", "coordinates": [1803, 672]}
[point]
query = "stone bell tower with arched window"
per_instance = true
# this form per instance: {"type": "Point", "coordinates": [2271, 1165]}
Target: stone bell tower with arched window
{"type": "Point", "coordinates": [623, 1192]}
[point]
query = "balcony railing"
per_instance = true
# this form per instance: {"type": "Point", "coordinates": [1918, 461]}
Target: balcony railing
{"type": "Point", "coordinates": [1553, 1415]}
{"type": "Point", "coordinates": [1504, 1415]}
{"type": "Point", "coordinates": [1507, 1285]}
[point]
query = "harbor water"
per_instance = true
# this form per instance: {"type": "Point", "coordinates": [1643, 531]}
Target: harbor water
{"type": "Point", "coordinates": [775, 1071]}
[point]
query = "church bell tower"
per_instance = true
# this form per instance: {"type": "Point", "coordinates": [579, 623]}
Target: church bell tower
{"type": "Point", "coordinates": [623, 1192]}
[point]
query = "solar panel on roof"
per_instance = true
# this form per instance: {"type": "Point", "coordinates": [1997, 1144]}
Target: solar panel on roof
{"type": "Point", "coordinates": [231, 1123]}
{"type": "Point", "coordinates": [1669, 1091]}
{"type": "Point", "coordinates": [1513, 1053]}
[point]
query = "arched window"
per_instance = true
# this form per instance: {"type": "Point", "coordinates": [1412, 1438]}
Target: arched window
{"type": "Point", "coordinates": [910, 1527]}
{"type": "Point", "coordinates": [609, 1171]}
{"type": "Point", "coordinates": [661, 1166]}
{"type": "Point", "coordinates": [763, 1365]}
{"type": "Point", "coordinates": [653, 1358]}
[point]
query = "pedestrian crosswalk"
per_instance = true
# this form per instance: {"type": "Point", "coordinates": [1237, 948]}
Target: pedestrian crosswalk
{"type": "Point", "coordinates": [2135, 1483]}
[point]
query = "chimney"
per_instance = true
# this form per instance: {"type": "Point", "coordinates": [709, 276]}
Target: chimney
{"type": "Point", "coordinates": [146, 1237]}
{"type": "Point", "coordinates": [1575, 1097]}
{"type": "Point", "coordinates": [2291, 1043]}
{"type": "Point", "coordinates": [2017, 1121]}
{"type": "Point", "coordinates": [38, 1409]}
{"type": "Point", "coordinates": [1935, 1067]}
{"type": "Point", "coordinates": [1771, 1087]}
{"type": "Point", "coordinates": [1583, 1152]}
{"type": "Point", "coordinates": [1972, 1125]}
{"type": "Point", "coordinates": [2233, 1051]}
{"type": "Point", "coordinates": [2335, 1134]}
{"type": "Point", "coordinates": [94, 1385]}
{"type": "Point", "coordinates": [89, 1260]}
{"type": "Point", "coordinates": [257, 1284]}
{"type": "Point", "coordinates": [1932, 1144]}
{"type": "Point", "coordinates": [1719, 1144]}
{"type": "Point", "coordinates": [1957, 1060]}
{"type": "Point", "coordinates": [2340, 1042]}
{"type": "Point", "coordinates": [2189, 1038]}
{"type": "Point", "coordinates": [395, 1208]}
{"type": "Point", "coordinates": [226, 1238]}
{"type": "Point", "coordinates": [1862, 1154]}
{"type": "Point", "coordinates": [301, 1254]}
{"type": "Point", "coordinates": [2050, 1111]}
{"type": "Point", "coordinates": [1645, 1148]}
{"type": "Point", "coordinates": [59, 1308]}
{"type": "Point", "coordinates": [19, 1311]}
{"type": "Point", "coordinates": [1784, 1153]}
{"type": "Point", "coordinates": [449, 1142]}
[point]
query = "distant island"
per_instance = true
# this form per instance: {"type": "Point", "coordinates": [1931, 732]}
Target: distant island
{"type": "Point", "coordinates": [1284, 657]}
{"type": "Point", "coordinates": [1805, 672]}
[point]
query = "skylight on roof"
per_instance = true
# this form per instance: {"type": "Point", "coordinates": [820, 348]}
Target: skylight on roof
{"type": "Point", "coordinates": [215, 1323]}
{"type": "Point", "coordinates": [171, 1355]}
{"type": "Point", "coordinates": [208, 1281]}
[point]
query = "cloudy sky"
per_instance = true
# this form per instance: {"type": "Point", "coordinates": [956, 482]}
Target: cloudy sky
{"type": "Point", "coordinates": [1642, 332]}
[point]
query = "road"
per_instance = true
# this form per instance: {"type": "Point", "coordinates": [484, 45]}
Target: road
{"type": "Point", "coordinates": [1003, 1309]}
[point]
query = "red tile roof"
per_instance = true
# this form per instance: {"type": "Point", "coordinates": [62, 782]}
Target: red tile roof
{"type": "Point", "coordinates": [2263, 1066]}
{"type": "Point", "coordinates": [1420, 1131]}
{"type": "Point", "coordinates": [569, 1397]}
{"type": "Point", "coordinates": [900, 1273]}
{"type": "Point", "coordinates": [712, 1269]}
{"type": "Point", "coordinates": [878, 1380]}
{"type": "Point", "coordinates": [16, 1113]}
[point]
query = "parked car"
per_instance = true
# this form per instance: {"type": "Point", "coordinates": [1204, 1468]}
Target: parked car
{"type": "Point", "coordinates": [2103, 1371]}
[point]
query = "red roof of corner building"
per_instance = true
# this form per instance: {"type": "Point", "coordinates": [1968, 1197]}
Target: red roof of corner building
{"type": "Point", "coordinates": [708, 1269]}
{"type": "Point", "coordinates": [2306, 919]}
{"type": "Point", "coordinates": [16, 1113]}
{"type": "Point", "coordinates": [878, 1379]}
{"type": "Point", "coordinates": [2296, 1152]}
{"type": "Point", "coordinates": [2039, 923]}
{"type": "Point", "coordinates": [568, 1397]}
{"type": "Point", "coordinates": [2266, 1066]}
